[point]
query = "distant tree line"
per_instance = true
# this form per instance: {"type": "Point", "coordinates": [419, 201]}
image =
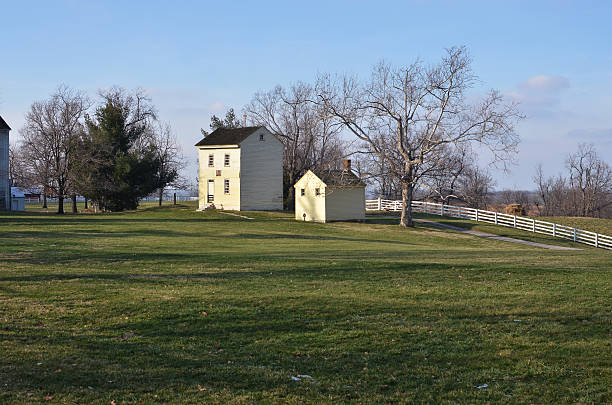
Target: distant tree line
{"type": "Point", "coordinates": [112, 155]}
{"type": "Point", "coordinates": [585, 190]}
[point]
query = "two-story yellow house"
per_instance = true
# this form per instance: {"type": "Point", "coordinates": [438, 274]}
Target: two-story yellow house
{"type": "Point", "coordinates": [241, 169]}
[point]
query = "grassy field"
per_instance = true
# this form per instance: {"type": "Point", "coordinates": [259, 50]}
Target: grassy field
{"type": "Point", "coordinates": [173, 306]}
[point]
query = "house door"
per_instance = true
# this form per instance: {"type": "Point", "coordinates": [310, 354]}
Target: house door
{"type": "Point", "coordinates": [210, 193]}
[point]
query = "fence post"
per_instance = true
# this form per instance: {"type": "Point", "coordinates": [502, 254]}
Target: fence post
{"type": "Point", "coordinates": [476, 214]}
{"type": "Point", "coordinates": [554, 229]}
{"type": "Point", "coordinates": [596, 240]}
{"type": "Point", "coordinates": [379, 203]}
{"type": "Point", "coordinates": [514, 221]}
{"type": "Point", "coordinates": [574, 234]}
{"type": "Point", "coordinates": [459, 213]}
{"type": "Point", "coordinates": [425, 203]}
{"type": "Point", "coordinates": [496, 218]}
{"type": "Point", "coordinates": [442, 210]}
{"type": "Point", "coordinates": [533, 225]}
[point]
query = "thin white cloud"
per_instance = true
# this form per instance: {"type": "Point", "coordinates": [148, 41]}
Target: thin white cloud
{"type": "Point", "coordinates": [540, 96]}
{"type": "Point", "coordinates": [543, 83]}
{"type": "Point", "coordinates": [217, 107]}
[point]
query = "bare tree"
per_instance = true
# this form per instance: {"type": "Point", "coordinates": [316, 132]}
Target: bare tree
{"type": "Point", "coordinates": [169, 158]}
{"type": "Point", "coordinates": [590, 178]}
{"type": "Point", "coordinates": [308, 131]}
{"type": "Point", "coordinates": [441, 181]}
{"type": "Point", "coordinates": [475, 186]}
{"type": "Point", "coordinates": [515, 197]}
{"type": "Point", "coordinates": [49, 136]}
{"type": "Point", "coordinates": [409, 115]}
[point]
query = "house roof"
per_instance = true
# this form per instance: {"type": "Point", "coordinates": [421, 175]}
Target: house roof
{"type": "Point", "coordinates": [3, 124]}
{"type": "Point", "coordinates": [336, 177]}
{"type": "Point", "coordinates": [227, 136]}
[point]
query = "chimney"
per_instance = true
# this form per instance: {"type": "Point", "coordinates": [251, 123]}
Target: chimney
{"type": "Point", "coordinates": [346, 165]}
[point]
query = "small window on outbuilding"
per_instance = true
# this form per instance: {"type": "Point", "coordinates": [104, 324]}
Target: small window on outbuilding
{"type": "Point", "coordinates": [261, 137]}
{"type": "Point", "coordinates": [317, 191]}
{"type": "Point", "coordinates": [226, 161]}
{"type": "Point", "coordinates": [211, 160]}
{"type": "Point", "coordinates": [303, 192]}
{"type": "Point", "coordinates": [226, 188]}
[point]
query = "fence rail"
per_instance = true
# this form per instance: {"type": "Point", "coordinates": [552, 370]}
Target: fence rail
{"type": "Point", "coordinates": [497, 218]}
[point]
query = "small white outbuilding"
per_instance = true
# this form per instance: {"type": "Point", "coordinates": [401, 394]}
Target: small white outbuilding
{"type": "Point", "coordinates": [17, 199]}
{"type": "Point", "coordinates": [330, 195]}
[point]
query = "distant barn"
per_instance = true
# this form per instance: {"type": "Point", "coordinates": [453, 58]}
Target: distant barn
{"type": "Point", "coordinates": [241, 169]}
{"type": "Point", "coordinates": [330, 195]}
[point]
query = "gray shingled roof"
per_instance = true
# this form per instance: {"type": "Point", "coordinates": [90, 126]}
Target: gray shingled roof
{"type": "Point", "coordinates": [342, 178]}
{"type": "Point", "coordinates": [3, 124]}
{"type": "Point", "coordinates": [227, 136]}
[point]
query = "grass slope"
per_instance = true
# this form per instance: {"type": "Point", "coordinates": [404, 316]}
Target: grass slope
{"type": "Point", "coordinates": [173, 306]}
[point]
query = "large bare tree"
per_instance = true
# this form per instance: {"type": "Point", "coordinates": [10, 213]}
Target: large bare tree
{"type": "Point", "coordinates": [50, 136]}
{"type": "Point", "coordinates": [409, 116]}
{"type": "Point", "coordinates": [308, 131]}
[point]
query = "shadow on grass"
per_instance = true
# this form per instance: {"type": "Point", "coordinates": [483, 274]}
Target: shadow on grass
{"type": "Point", "coordinates": [344, 271]}
{"type": "Point", "coordinates": [258, 347]}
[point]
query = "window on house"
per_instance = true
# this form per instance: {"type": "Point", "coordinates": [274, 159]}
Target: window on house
{"type": "Point", "coordinates": [210, 194]}
{"type": "Point", "coordinates": [211, 160]}
{"type": "Point", "coordinates": [302, 192]}
{"type": "Point", "coordinates": [226, 161]}
{"type": "Point", "coordinates": [317, 191]}
{"type": "Point", "coordinates": [226, 186]}
{"type": "Point", "coordinates": [261, 137]}
{"type": "Point", "coordinates": [218, 172]}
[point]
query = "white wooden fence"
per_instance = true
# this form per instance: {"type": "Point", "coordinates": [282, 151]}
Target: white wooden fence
{"type": "Point", "coordinates": [512, 221]}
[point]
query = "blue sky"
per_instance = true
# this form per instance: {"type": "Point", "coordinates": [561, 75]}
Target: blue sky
{"type": "Point", "coordinates": [197, 58]}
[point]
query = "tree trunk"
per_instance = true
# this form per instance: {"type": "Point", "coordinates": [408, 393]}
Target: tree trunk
{"type": "Point", "coordinates": [74, 204]}
{"type": "Point", "coordinates": [291, 193]}
{"type": "Point", "coordinates": [406, 218]}
{"type": "Point", "coordinates": [44, 199]}
{"type": "Point", "coordinates": [85, 203]}
{"type": "Point", "coordinates": [60, 204]}
{"type": "Point", "coordinates": [161, 196]}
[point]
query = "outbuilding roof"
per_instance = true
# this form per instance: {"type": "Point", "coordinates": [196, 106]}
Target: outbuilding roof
{"type": "Point", "coordinates": [227, 136]}
{"type": "Point", "coordinates": [337, 177]}
{"type": "Point", "coordinates": [3, 124]}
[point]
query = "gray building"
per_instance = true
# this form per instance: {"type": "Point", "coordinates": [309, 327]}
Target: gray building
{"type": "Point", "coordinates": [5, 186]}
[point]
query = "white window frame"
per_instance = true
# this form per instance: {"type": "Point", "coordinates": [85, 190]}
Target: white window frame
{"type": "Point", "coordinates": [211, 160]}
{"type": "Point", "coordinates": [226, 186]}
{"type": "Point", "coordinates": [226, 160]}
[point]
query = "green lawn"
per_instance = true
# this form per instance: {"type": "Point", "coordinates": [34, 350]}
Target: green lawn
{"type": "Point", "coordinates": [174, 306]}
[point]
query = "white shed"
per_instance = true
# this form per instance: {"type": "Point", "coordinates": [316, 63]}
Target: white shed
{"type": "Point", "coordinates": [330, 195]}
{"type": "Point", "coordinates": [17, 199]}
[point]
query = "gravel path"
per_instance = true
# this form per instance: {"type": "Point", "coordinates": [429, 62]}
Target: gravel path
{"type": "Point", "coordinates": [492, 236]}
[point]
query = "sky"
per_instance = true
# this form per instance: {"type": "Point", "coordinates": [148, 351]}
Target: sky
{"type": "Point", "coordinates": [197, 58]}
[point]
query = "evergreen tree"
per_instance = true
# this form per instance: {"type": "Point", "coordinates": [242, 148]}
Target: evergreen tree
{"type": "Point", "coordinates": [118, 163]}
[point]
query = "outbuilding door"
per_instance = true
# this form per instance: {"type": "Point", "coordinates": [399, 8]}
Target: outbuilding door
{"type": "Point", "coordinates": [210, 193]}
